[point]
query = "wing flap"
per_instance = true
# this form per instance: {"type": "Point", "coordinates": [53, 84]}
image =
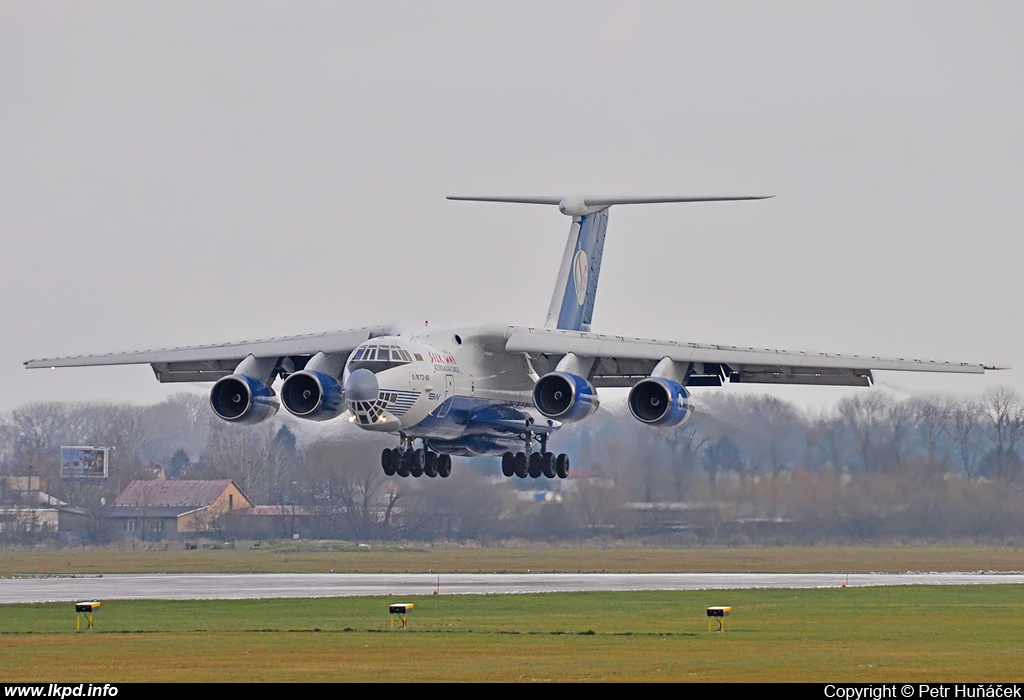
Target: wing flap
{"type": "Point", "coordinates": [209, 371]}
{"type": "Point", "coordinates": [622, 360]}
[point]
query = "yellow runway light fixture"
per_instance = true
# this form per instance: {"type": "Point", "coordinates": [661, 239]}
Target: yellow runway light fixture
{"type": "Point", "coordinates": [399, 610]}
{"type": "Point", "coordinates": [86, 608]}
{"type": "Point", "coordinates": [718, 613]}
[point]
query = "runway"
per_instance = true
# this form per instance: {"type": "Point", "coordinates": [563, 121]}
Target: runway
{"type": "Point", "coordinates": [37, 589]}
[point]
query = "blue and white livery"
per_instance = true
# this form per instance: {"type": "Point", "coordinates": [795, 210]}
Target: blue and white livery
{"type": "Point", "coordinates": [490, 390]}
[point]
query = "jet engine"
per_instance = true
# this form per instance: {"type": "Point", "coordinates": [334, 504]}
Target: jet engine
{"type": "Point", "coordinates": [240, 398]}
{"type": "Point", "coordinates": [567, 397]}
{"type": "Point", "coordinates": [658, 401]}
{"type": "Point", "coordinates": [313, 395]}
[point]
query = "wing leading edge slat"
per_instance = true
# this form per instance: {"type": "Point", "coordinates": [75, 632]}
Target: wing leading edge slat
{"type": "Point", "coordinates": [207, 363]}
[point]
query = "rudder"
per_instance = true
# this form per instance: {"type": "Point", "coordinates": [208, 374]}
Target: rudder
{"type": "Point", "coordinates": [572, 304]}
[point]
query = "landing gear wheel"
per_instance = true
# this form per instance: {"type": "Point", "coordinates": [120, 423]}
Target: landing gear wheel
{"type": "Point", "coordinates": [402, 459]}
{"type": "Point", "coordinates": [562, 466]}
{"type": "Point", "coordinates": [520, 465]}
{"type": "Point", "coordinates": [444, 466]}
{"type": "Point", "coordinates": [534, 470]}
{"type": "Point", "coordinates": [418, 462]}
{"type": "Point", "coordinates": [547, 465]}
{"type": "Point", "coordinates": [508, 464]}
{"type": "Point", "coordinates": [389, 460]}
{"type": "Point", "coordinates": [430, 468]}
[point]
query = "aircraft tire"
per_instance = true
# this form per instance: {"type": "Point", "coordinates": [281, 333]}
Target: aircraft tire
{"type": "Point", "coordinates": [430, 468]}
{"type": "Point", "coordinates": [562, 466]}
{"type": "Point", "coordinates": [388, 460]}
{"type": "Point", "coordinates": [508, 464]}
{"type": "Point", "coordinates": [534, 470]}
{"type": "Point", "coordinates": [403, 466]}
{"type": "Point", "coordinates": [444, 466]}
{"type": "Point", "coordinates": [417, 463]}
{"type": "Point", "coordinates": [548, 464]}
{"type": "Point", "coordinates": [521, 468]}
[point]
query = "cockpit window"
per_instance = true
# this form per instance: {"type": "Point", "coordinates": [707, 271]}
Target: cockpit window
{"type": "Point", "coordinates": [378, 358]}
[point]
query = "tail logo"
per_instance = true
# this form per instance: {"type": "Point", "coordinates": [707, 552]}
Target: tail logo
{"type": "Point", "coordinates": [580, 275]}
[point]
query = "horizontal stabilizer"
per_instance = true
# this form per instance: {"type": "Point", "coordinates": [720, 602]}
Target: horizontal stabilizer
{"type": "Point", "coordinates": [607, 201]}
{"type": "Point", "coordinates": [581, 206]}
{"type": "Point", "coordinates": [578, 206]}
{"type": "Point", "coordinates": [510, 200]}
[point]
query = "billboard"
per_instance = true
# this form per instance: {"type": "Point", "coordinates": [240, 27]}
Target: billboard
{"type": "Point", "coordinates": [84, 463]}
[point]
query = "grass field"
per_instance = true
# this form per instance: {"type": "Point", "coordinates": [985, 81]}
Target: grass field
{"type": "Point", "coordinates": [312, 557]}
{"type": "Point", "coordinates": [925, 633]}
{"type": "Point", "coordinates": [853, 634]}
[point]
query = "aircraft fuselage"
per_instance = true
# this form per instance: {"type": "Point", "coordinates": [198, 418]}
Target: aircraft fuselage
{"type": "Point", "coordinates": [448, 388]}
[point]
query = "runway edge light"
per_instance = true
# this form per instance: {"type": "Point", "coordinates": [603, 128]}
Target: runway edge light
{"type": "Point", "coordinates": [400, 610]}
{"type": "Point", "coordinates": [85, 608]}
{"type": "Point", "coordinates": [718, 613]}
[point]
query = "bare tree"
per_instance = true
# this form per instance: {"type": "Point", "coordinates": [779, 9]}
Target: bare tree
{"type": "Point", "coordinates": [687, 443]}
{"type": "Point", "coordinates": [467, 508]}
{"type": "Point", "coordinates": [897, 424]}
{"type": "Point", "coordinates": [963, 427]}
{"type": "Point", "coordinates": [722, 455]}
{"type": "Point", "coordinates": [1004, 426]}
{"type": "Point", "coordinates": [348, 492]}
{"type": "Point", "coordinates": [864, 414]}
{"type": "Point", "coordinates": [827, 439]}
{"type": "Point", "coordinates": [180, 422]}
{"type": "Point", "coordinates": [931, 416]}
{"type": "Point", "coordinates": [249, 456]}
{"type": "Point", "coordinates": [596, 503]}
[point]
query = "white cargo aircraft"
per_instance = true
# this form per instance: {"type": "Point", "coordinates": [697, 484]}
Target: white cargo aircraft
{"type": "Point", "coordinates": [490, 390]}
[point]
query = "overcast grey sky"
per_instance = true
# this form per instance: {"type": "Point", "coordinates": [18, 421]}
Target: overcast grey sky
{"type": "Point", "coordinates": [189, 172]}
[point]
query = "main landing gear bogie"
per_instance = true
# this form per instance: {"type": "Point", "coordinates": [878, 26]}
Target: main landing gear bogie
{"type": "Point", "coordinates": [535, 465]}
{"type": "Point", "coordinates": [415, 463]}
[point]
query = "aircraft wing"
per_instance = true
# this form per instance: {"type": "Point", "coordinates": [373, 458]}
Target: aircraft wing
{"type": "Point", "coordinates": [208, 363]}
{"type": "Point", "coordinates": [621, 361]}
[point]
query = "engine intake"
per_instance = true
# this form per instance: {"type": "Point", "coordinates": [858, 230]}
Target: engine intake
{"type": "Point", "coordinates": [658, 401]}
{"type": "Point", "coordinates": [565, 396]}
{"type": "Point", "coordinates": [313, 395]}
{"type": "Point", "coordinates": [243, 399]}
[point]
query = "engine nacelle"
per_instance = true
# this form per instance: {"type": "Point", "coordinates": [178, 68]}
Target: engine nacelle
{"type": "Point", "coordinates": [658, 401]}
{"type": "Point", "coordinates": [313, 395]}
{"type": "Point", "coordinates": [565, 396]}
{"type": "Point", "coordinates": [240, 398]}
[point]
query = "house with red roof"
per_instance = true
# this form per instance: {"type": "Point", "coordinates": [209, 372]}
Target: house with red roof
{"type": "Point", "coordinates": [153, 510]}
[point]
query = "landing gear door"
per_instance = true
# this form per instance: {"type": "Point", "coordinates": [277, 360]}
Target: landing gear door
{"type": "Point", "coordinates": [449, 392]}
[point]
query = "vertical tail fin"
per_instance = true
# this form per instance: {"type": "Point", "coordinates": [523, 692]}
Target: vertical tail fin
{"type": "Point", "coordinates": [572, 304]}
